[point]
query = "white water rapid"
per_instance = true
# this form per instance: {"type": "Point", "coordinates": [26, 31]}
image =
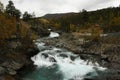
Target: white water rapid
{"type": "Point", "coordinates": [70, 65]}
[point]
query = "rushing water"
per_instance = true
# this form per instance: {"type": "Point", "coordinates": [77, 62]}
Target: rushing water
{"type": "Point", "coordinates": [53, 34]}
{"type": "Point", "coordinates": [60, 64]}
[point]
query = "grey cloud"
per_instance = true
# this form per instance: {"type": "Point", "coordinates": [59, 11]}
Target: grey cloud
{"type": "Point", "coordinates": [41, 7]}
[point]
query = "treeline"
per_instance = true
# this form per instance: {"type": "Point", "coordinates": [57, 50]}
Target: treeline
{"type": "Point", "coordinates": [107, 19]}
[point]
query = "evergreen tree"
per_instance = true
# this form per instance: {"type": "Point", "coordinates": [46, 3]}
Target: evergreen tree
{"type": "Point", "coordinates": [27, 16]}
{"type": "Point", "coordinates": [12, 11]}
{"type": "Point", "coordinates": [85, 16]}
{"type": "Point", "coordinates": [10, 8]}
{"type": "Point", "coordinates": [1, 7]}
{"type": "Point", "coordinates": [17, 14]}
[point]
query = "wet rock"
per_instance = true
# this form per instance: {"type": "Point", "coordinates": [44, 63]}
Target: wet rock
{"type": "Point", "coordinates": [12, 72]}
{"type": "Point", "coordinates": [58, 51]}
{"type": "Point", "coordinates": [13, 65]}
{"type": "Point", "coordinates": [105, 59]}
{"type": "Point", "coordinates": [84, 56]}
{"type": "Point", "coordinates": [2, 70]}
{"type": "Point", "coordinates": [88, 79]}
{"type": "Point", "coordinates": [52, 59]}
{"type": "Point", "coordinates": [63, 55]}
{"type": "Point", "coordinates": [40, 30]}
{"type": "Point", "coordinates": [72, 58]}
{"type": "Point", "coordinates": [32, 51]}
{"type": "Point", "coordinates": [45, 55]}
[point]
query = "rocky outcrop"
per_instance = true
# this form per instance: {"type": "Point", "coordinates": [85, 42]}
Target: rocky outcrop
{"type": "Point", "coordinates": [2, 70]}
{"type": "Point", "coordinates": [15, 59]}
{"type": "Point", "coordinates": [40, 30]}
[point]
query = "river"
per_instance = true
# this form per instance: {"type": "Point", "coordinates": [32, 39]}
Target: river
{"type": "Point", "coordinates": [60, 64]}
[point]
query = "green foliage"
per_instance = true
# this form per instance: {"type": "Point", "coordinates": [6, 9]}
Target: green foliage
{"type": "Point", "coordinates": [12, 11]}
{"type": "Point", "coordinates": [85, 16]}
{"type": "Point", "coordinates": [1, 7]}
{"type": "Point", "coordinates": [17, 14]}
{"type": "Point", "coordinates": [27, 16]}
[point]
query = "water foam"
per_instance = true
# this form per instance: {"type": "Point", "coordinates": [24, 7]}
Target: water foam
{"type": "Point", "coordinates": [53, 34]}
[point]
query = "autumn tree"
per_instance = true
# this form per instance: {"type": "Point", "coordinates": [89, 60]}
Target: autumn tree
{"type": "Point", "coordinates": [72, 27]}
{"type": "Point", "coordinates": [95, 32]}
{"type": "Point", "coordinates": [57, 26]}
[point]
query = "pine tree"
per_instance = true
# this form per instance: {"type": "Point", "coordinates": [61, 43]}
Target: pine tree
{"type": "Point", "coordinates": [27, 16]}
{"type": "Point", "coordinates": [1, 7]}
{"type": "Point", "coordinates": [12, 11]}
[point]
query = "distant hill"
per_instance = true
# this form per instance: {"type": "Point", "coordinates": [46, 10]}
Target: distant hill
{"type": "Point", "coordinates": [58, 15]}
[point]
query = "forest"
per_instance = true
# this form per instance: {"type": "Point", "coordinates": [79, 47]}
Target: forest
{"type": "Point", "coordinates": [107, 19]}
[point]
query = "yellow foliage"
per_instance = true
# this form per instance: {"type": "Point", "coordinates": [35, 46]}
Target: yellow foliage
{"type": "Point", "coordinates": [33, 36]}
{"type": "Point", "coordinates": [115, 21]}
{"type": "Point", "coordinates": [7, 27]}
{"type": "Point", "coordinates": [23, 29]}
{"type": "Point", "coordinates": [57, 26]}
{"type": "Point", "coordinates": [45, 21]}
{"type": "Point", "coordinates": [72, 27]}
{"type": "Point", "coordinates": [96, 31]}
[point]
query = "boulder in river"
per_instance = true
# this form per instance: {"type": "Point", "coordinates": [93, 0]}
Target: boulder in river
{"type": "Point", "coordinates": [72, 58]}
{"type": "Point", "coordinates": [52, 59]}
{"type": "Point", "coordinates": [45, 55]}
{"type": "Point", "coordinates": [63, 55]}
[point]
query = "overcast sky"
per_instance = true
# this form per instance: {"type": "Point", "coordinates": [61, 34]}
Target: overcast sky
{"type": "Point", "coordinates": [42, 7]}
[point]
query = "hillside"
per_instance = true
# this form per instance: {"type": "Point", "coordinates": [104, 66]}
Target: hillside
{"type": "Point", "coordinates": [107, 19]}
{"type": "Point", "coordinates": [58, 15]}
